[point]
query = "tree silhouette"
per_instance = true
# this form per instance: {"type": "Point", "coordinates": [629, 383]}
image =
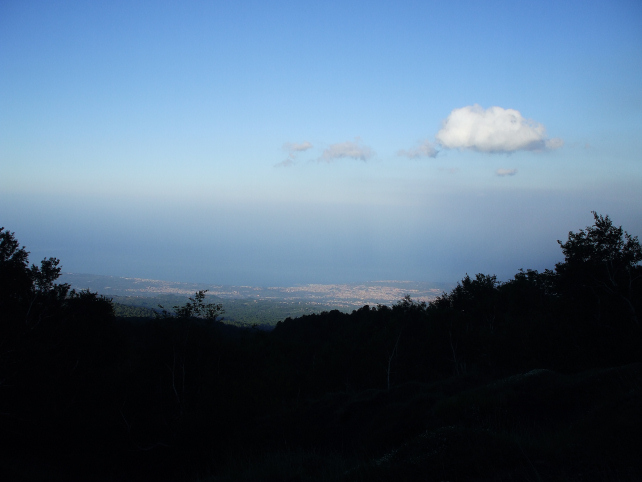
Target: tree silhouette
{"type": "Point", "coordinates": [29, 294]}
{"type": "Point", "coordinates": [195, 308]}
{"type": "Point", "coordinates": [601, 267]}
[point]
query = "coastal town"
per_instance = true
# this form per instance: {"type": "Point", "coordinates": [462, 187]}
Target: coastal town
{"type": "Point", "coordinates": [347, 295]}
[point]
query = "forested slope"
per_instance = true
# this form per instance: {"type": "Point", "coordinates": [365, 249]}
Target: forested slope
{"type": "Point", "coordinates": [535, 378]}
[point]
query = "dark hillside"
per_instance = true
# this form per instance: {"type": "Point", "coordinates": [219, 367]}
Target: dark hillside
{"type": "Point", "coordinates": [536, 378]}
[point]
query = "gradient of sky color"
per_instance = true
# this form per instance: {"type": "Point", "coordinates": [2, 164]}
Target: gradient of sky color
{"type": "Point", "coordinates": [276, 143]}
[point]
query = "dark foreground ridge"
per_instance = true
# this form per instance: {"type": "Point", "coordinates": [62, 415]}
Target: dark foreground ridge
{"type": "Point", "coordinates": [538, 378]}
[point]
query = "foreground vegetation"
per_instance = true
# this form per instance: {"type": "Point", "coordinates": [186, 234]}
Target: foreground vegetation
{"type": "Point", "coordinates": [537, 378]}
{"type": "Point", "coordinates": [239, 312]}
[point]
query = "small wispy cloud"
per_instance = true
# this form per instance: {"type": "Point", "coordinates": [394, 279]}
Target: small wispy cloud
{"type": "Point", "coordinates": [293, 149]}
{"type": "Point", "coordinates": [348, 149]}
{"type": "Point", "coordinates": [506, 172]}
{"type": "Point", "coordinates": [285, 163]}
{"type": "Point", "coordinates": [493, 130]}
{"type": "Point", "coordinates": [425, 149]}
{"type": "Point", "coordinates": [554, 143]}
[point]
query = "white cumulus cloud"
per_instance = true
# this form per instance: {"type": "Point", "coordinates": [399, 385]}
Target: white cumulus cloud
{"type": "Point", "coordinates": [493, 130]}
{"type": "Point", "coordinates": [506, 172]}
{"type": "Point", "coordinates": [425, 149]}
{"type": "Point", "coordinates": [348, 149]}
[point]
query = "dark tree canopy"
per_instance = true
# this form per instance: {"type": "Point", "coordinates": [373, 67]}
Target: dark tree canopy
{"type": "Point", "coordinates": [601, 264]}
{"type": "Point", "coordinates": [27, 292]}
{"type": "Point", "coordinates": [601, 245]}
{"type": "Point", "coordinates": [195, 308]}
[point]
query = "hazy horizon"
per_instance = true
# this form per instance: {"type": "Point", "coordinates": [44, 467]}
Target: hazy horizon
{"type": "Point", "coordinates": [338, 142]}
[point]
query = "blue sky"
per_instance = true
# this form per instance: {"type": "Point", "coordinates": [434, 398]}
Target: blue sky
{"type": "Point", "coordinates": [276, 143]}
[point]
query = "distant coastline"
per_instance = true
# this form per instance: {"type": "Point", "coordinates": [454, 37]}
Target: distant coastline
{"type": "Point", "coordinates": [344, 295]}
